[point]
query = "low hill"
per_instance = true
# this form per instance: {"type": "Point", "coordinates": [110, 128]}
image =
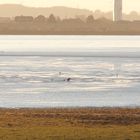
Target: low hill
{"type": "Point", "coordinates": [12, 10]}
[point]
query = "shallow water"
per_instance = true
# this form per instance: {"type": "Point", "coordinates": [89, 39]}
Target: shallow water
{"type": "Point", "coordinates": [98, 79]}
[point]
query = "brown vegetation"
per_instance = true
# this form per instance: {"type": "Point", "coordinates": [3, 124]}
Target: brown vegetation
{"type": "Point", "coordinates": [70, 124]}
{"type": "Point", "coordinates": [80, 116]}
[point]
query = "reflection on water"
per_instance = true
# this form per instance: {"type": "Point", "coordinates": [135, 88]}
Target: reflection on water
{"type": "Point", "coordinates": [36, 81]}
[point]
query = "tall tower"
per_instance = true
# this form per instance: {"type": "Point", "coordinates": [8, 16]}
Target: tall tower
{"type": "Point", "coordinates": [117, 14]}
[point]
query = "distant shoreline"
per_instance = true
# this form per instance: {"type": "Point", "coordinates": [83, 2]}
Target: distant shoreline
{"type": "Point", "coordinates": [73, 109]}
{"type": "Point", "coordinates": [96, 54]}
{"type": "Point", "coordinates": [73, 33]}
{"type": "Point", "coordinates": [68, 27]}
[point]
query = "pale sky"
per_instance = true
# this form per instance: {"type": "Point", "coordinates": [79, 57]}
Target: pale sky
{"type": "Point", "coordinates": [104, 5]}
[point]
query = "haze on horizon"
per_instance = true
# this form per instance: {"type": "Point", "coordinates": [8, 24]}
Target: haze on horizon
{"type": "Point", "coordinates": [104, 5]}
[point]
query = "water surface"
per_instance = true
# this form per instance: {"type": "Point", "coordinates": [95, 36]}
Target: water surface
{"type": "Point", "coordinates": [104, 71]}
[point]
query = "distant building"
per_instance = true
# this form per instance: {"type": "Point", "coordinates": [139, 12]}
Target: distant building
{"type": "Point", "coordinates": [24, 18]}
{"type": "Point", "coordinates": [117, 15]}
{"type": "Point", "coordinates": [4, 19]}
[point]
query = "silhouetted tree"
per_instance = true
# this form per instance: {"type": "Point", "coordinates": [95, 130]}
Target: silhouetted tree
{"type": "Point", "coordinates": [52, 19]}
{"type": "Point", "coordinates": [90, 19]}
{"type": "Point", "coordinates": [40, 18]}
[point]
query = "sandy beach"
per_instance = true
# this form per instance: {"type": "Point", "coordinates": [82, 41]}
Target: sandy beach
{"type": "Point", "coordinates": [71, 124]}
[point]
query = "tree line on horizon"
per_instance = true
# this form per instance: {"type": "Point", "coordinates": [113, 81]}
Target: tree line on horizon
{"type": "Point", "coordinates": [55, 25]}
{"type": "Point", "coordinates": [54, 19]}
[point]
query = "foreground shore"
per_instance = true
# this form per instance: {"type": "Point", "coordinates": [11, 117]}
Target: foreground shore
{"type": "Point", "coordinates": [71, 124]}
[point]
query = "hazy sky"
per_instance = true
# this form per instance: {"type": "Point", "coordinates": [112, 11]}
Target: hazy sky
{"type": "Point", "coordinates": [104, 5]}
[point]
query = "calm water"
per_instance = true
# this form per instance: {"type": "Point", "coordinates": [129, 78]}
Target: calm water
{"type": "Point", "coordinates": [104, 71]}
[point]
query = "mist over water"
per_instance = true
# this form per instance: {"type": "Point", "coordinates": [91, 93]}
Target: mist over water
{"type": "Point", "coordinates": [70, 43]}
{"type": "Point", "coordinates": [109, 76]}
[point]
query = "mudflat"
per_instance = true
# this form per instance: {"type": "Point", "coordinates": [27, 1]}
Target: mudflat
{"type": "Point", "coordinates": [70, 123]}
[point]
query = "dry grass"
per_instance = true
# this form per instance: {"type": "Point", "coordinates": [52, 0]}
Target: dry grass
{"type": "Point", "coordinates": [77, 124]}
